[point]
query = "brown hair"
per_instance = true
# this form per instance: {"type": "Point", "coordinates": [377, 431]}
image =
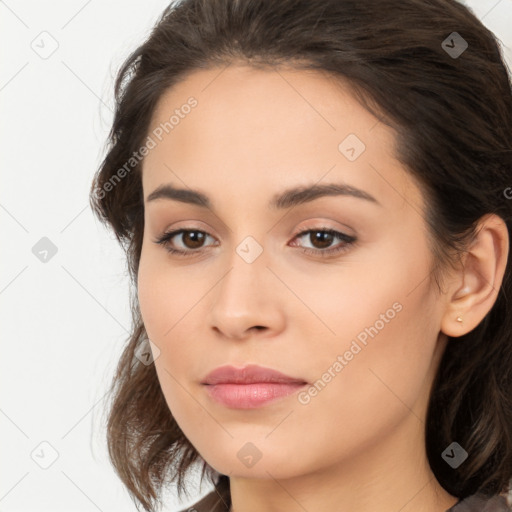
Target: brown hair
{"type": "Point", "coordinates": [453, 120]}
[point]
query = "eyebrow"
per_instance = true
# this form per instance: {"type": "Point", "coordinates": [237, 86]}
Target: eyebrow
{"type": "Point", "coordinates": [283, 200]}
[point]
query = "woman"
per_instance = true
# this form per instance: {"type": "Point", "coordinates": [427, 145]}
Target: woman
{"type": "Point", "coordinates": [314, 199]}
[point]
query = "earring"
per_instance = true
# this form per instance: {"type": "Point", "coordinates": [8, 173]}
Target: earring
{"type": "Point", "coordinates": [459, 319]}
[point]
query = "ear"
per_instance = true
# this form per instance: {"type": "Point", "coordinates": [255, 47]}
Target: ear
{"type": "Point", "coordinates": [475, 288]}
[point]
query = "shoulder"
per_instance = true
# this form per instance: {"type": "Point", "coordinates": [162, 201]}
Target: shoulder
{"type": "Point", "coordinates": [212, 502]}
{"type": "Point", "coordinates": [480, 503]}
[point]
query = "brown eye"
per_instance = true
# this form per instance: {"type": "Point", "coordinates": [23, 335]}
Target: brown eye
{"type": "Point", "coordinates": [190, 242]}
{"type": "Point", "coordinates": [321, 239]}
{"type": "Point", "coordinates": [182, 241]}
{"type": "Point", "coordinates": [193, 239]}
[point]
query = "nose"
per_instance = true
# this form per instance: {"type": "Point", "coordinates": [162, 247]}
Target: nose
{"type": "Point", "coordinates": [246, 300]}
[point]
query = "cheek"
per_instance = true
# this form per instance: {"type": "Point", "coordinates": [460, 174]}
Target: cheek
{"type": "Point", "coordinates": [171, 311]}
{"type": "Point", "coordinates": [381, 354]}
{"type": "Point", "coordinates": [163, 298]}
{"type": "Point", "coordinates": [379, 316]}
{"type": "Point", "coordinates": [165, 305]}
{"type": "Point", "coordinates": [151, 296]}
{"type": "Point", "coordinates": [383, 385]}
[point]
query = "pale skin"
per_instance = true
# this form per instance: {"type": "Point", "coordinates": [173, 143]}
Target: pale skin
{"type": "Point", "coordinates": [359, 444]}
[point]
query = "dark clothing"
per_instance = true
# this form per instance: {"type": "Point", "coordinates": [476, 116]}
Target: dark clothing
{"type": "Point", "coordinates": [477, 503]}
{"type": "Point", "coordinates": [219, 501]}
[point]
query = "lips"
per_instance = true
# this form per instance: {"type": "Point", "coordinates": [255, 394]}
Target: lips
{"type": "Point", "coordinates": [249, 387]}
{"type": "Point", "coordinates": [249, 374]}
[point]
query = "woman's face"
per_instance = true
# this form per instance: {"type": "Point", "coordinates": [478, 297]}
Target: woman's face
{"type": "Point", "coordinates": [357, 321]}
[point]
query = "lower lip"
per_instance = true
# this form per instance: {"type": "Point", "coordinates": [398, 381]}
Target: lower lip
{"type": "Point", "coordinates": [251, 396]}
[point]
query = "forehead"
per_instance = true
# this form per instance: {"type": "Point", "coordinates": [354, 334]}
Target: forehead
{"type": "Point", "coordinates": [253, 129]}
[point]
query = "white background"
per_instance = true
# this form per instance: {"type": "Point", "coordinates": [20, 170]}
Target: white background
{"type": "Point", "coordinates": [64, 322]}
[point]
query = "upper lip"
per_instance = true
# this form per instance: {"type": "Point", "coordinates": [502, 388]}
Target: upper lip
{"type": "Point", "coordinates": [249, 374]}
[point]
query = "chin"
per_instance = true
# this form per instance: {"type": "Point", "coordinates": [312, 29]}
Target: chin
{"type": "Point", "coordinates": [246, 459]}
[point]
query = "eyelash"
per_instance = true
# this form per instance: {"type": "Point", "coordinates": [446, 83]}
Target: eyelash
{"type": "Point", "coordinates": [348, 241]}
